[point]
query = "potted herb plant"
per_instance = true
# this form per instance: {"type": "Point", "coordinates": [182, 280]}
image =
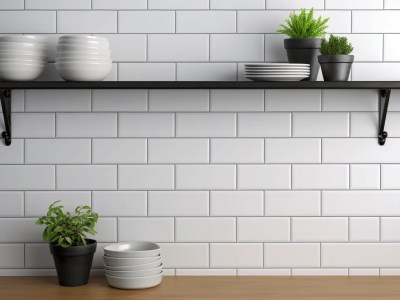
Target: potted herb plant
{"type": "Point", "coordinates": [305, 37]}
{"type": "Point", "coordinates": [335, 59]}
{"type": "Point", "coordinates": [72, 250]}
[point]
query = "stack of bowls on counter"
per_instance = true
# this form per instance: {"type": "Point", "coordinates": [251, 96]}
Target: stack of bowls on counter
{"type": "Point", "coordinates": [22, 57]}
{"type": "Point", "coordinates": [135, 265]}
{"type": "Point", "coordinates": [83, 58]}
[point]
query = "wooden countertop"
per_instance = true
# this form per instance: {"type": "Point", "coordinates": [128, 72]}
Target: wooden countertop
{"type": "Point", "coordinates": [216, 288]}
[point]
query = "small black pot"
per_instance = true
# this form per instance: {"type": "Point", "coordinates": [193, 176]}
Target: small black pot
{"type": "Point", "coordinates": [304, 51]}
{"type": "Point", "coordinates": [73, 264]}
{"type": "Point", "coordinates": [336, 67]}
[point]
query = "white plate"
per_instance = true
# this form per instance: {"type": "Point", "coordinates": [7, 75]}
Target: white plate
{"type": "Point", "coordinates": [152, 265]}
{"type": "Point", "coordinates": [275, 75]}
{"type": "Point", "coordinates": [278, 68]}
{"type": "Point", "coordinates": [276, 65]}
{"type": "Point", "coordinates": [121, 262]}
{"type": "Point", "coordinates": [277, 78]}
{"type": "Point", "coordinates": [134, 283]}
{"type": "Point", "coordinates": [134, 249]}
{"type": "Point", "coordinates": [140, 273]}
{"type": "Point", "coordinates": [278, 71]}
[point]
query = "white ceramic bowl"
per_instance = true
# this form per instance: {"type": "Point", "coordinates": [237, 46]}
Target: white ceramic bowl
{"type": "Point", "coordinates": [152, 265]}
{"type": "Point", "coordinates": [80, 48]}
{"type": "Point", "coordinates": [22, 56]}
{"type": "Point", "coordinates": [83, 72]}
{"type": "Point", "coordinates": [20, 71]}
{"type": "Point", "coordinates": [143, 273]}
{"type": "Point", "coordinates": [19, 38]}
{"type": "Point", "coordinates": [83, 55]}
{"type": "Point", "coordinates": [125, 262]}
{"type": "Point", "coordinates": [82, 37]}
{"type": "Point", "coordinates": [134, 283]}
{"type": "Point", "coordinates": [21, 61]}
{"type": "Point", "coordinates": [134, 249]}
{"type": "Point", "coordinates": [22, 46]}
{"type": "Point", "coordinates": [90, 43]}
{"type": "Point", "coordinates": [83, 60]}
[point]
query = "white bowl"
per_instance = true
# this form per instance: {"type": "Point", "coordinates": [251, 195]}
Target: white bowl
{"type": "Point", "coordinates": [142, 273]}
{"type": "Point", "coordinates": [88, 55]}
{"type": "Point", "coordinates": [22, 46]}
{"type": "Point", "coordinates": [22, 61]}
{"type": "Point", "coordinates": [134, 249]}
{"type": "Point", "coordinates": [81, 48]}
{"type": "Point", "coordinates": [20, 55]}
{"type": "Point", "coordinates": [125, 262]}
{"type": "Point", "coordinates": [83, 72]}
{"type": "Point", "coordinates": [134, 283]}
{"type": "Point", "coordinates": [83, 37]}
{"type": "Point", "coordinates": [83, 60]}
{"type": "Point", "coordinates": [90, 43]}
{"type": "Point", "coordinates": [20, 72]}
{"type": "Point", "coordinates": [19, 38]}
{"type": "Point", "coordinates": [152, 265]}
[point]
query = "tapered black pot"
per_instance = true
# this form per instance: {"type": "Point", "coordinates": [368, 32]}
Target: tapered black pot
{"type": "Point", "coordinates": [73, 264]}
{"type": "Point", "coordinates": [336, 67]}
{"type": "Point", "coordinates": [304, 51]}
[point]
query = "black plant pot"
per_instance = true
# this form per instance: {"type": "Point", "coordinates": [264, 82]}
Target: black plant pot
{"type": "Point", "coordinates": [73, 264]}
{"type": "Point", "coordinates": [336, 67]}
{"type": "Point", "coordinates": [304, 51]}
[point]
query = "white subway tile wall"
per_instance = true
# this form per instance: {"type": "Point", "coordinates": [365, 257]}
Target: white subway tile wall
{"type": "Point", "coordinates": [229, 182]}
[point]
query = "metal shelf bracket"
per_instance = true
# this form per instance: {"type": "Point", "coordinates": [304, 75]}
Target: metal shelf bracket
{"type": "Point", "coordinates": [383, 108]}
{"type": "Point", "coordinates": [5, 96]}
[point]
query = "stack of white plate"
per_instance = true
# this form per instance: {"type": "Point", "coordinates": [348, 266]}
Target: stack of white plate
{"type": "Point", "coordinates": [136, 265]}
{"type": "Point", "coordinates": [277, 72]}
{"type": "Point", "coordinates": [83, 58]}
{"type": "Point", "coordinates": [22, 57]}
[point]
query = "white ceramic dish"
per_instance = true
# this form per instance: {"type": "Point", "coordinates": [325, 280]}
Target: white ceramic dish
{"type": "Point", "coordinates": [19, 38]}
{"type": "Point", "coordinates": [121, 262]}
{"type": "Point", "coordinates": [21, 61]}
{"type": "Point", "coordinates": [152, 265]}
{"type": "Point", "coordinates": [21, 57]}
{"type": "Point", "coordinates": [83, 37]}
{"type": "Point", "coordinates": [73, 60]}
{"type": "Point", "coordinates": [28, 46]}
{"type": "Point", "coordinates": [90, 43]}
{"type": "Point", "coordinates": [277, 78]}
{"type": "Point", "coordinates": [83, 72]}
{"type": "Point", "coordinates": [20, 72]}
{"type": "Point", "coordinates": [131, 250]}
{"type": "Point", "coordinates": [74, 48]}
{"type": "Point", "coordinates": [277, 71]}
{"type": "Point", "coordinates": [142, 273]}
{"type": "Point", "coordinates": [134, 283]}
{"type": "Point", "coordinates": [83, 55]}
{"type": "Point", "coordinates": [276, 65]}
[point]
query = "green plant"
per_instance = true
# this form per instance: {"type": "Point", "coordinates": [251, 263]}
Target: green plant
{"type": "Point", "coordinates": [336, 45]}
{"type": "Point", "coordinates": [66, 229]}
{"type": "Point", "coordinates": [304, 25]}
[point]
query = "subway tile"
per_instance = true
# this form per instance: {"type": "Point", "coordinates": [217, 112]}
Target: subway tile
{"type": "Point", "coordinates": [206, 72]}
{"type": "Point", "coordinates": [389, 176]}
{"type": "Point", "coordinates": [241, 255]}
{"type": "Point", "coordinates": [340, 21]}
{"type": "Point", "coordinates": [87, 22]}
{"type": "Point", "coordinates": [304, 150]}
{"type": "Point", "coordinates": [27, 177]}
{"type": "Point", "coordinates": [366, 150]}
{"type": "Point", "coordinates": [320, 177]}
{"type": "Point", "coordinates": [20, 230]}
{"type": "Point", "coordinates": [320, 272]}
{"type": "Point", "coordinates": [236, 203]}
{"type": "Point", "coordinates": [360, 203]}
{"type": "Point", "coordinates": [293, 203]}
{"type": "Point", "coordinates": [375, 71]}
{"type": "Point", "coordinates": [33, 125]}
{"type": "Point", "coordinates": [273, 48]}
{"type": "Point", "coordinates": [146, 21]}
{"type": "Point", "coordinates": [205, 229]}
{"type": "Point", "coordinates": [146, 125]}
{"type": "Point", "coordinates": [205, 125]}
{"type": "Point", "coordinates": [237, 4]}
{"type": "Point", "coordinates": [205, 272]}
{"type": "Point", "coordinates": [237, 47]}
{"type": "Point", "coordinates": [279, 4]}
{"type": "Point", "coordinates": [292, 100]}
{"type": "Point", "coordinates": [384, 21]}
{"type": "Point", "coordinates": [81, 177]}
{"type": "Point", "coordinates": [178, 4]}
{"type": "Point", "coordinates": [319, 229]}
{"type": "Point", "coordinates": [237, 100]}
{"type": "Point", "coordinates": [264, 124]}
{"type": "Point", "coordinates": [13, 154]}
{"type": "Point", "coordinates": [181, 255]}
{"type": "Point", "coordinates": [354, 4]}
{"type": "Point", "coordinates": [365, 177]}
{"type": "Point", "coordinates": [106, 229]}
{"type": "Point", "coordinates": [146, 71]}
{"type": "Point", "coordinates": [127, 47]}
{"type": "Point", "coordinates": [349, 100]}
{"type": "Point", "coordinates": [178, 100]}
{"type": "Point", "coordinates": [326, 124]}
{"type": "Point", "coordinates": [261, 21]}
{"type": "Point", "coordinates": [12, 204]}
{"type": "Point", "coordinates": [391, 46]}
{"type": "Point", "coordinates": [364, 229]}
{"type": "Point", "coordinates": [364, 272]}
{"type": "Point", "coordinates": [144, 229]}
{"type": "Point", "coordinates": [38, 256]}
{"type": "Point", "coordinates": [18, 101]}
{"type": "Point", "coordinates": [12, 4]}
{"type": "Point", "coordinates": [178, 47]}
{"type": "Point", "coordinates": [33, 21]}
{"type": "Point", "coordinates": [86, 125]}
{"type": "Point", "coordinates": [119, 4]}
{"type": "Point", "coordinates": [264, 177]}
{"type": "Point", "coordinates": [57, 100]}
{"type": "Point", "coordinates": [57, 151]}
{"type": "Point", "coordinates": [144, 177]}
{"type": "Point", "coordinates": [120, 204]}
{"type": "Point", "coordinates": [206, 22]}
{"type": "Point", "coordinates": [119, 100]}
{"type": "Point", "coordinates": [109, 151]}
{"type": "Point", "coordinates": [367, 47]}
{"type": "Point", "coordinates": [178, 203]}
{"type": "Point", "coordinates": [263, 272]}
{"type": "Point", "coordinates": [390, 229]}
{"type": "Point", "coordinates": [391, 4]}
{"type": "Point", "coordinates": [291, 255]}
{"type": "Point", "coordinates": [178, 150]}
{"type": "Point", "coordinates": [261, 229]}
{"type": "Point", "coordinates": [12, 256]}
{"type": "Point", "coordinates": [348, 255]}
{"type": "Point", "coordinates": [205, 177]}
{"type": "Point", "coordinates": [37, 203]}
{"type": "Point", "coordinates": [389, 271]}
{"type": "Point", "coordinates": [365, 124]}
{"type": "Point", "coordinates": [237, 150]}
{"type": "Point", "coordinates": [57, 4]}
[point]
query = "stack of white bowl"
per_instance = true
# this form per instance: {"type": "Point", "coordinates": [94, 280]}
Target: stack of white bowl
{"type": "Point", "coordinates": [22, 57]}
{"type": "Point", "coordinates": [135, 265]}
{"type": "Point", "coordinates": [83, 58]}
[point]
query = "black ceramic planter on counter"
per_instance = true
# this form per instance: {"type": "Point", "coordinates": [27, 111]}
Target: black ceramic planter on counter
{"type": "Point", "coordinates": [336, 67]}
{"type": "Point", "coordinates": [304, 51]}
{"type": "Point", "coordinates": [73, 264]}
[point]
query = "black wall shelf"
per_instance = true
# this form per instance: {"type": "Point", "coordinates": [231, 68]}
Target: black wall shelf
{"type": "Point", "coordinates": [384, 88]}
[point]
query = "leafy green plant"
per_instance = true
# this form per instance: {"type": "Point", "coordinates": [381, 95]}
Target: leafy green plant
{"type": "Point", "coordinates": [336, 45]}
{"type": "Point", "coordinates": [304, 25]}
{"type": "Point", "coordinates": [66, 229]}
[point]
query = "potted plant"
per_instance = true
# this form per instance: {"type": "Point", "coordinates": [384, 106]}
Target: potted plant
{"type": "Point", "coordinates": [335, 59]}
{"type": "Point", "coordinates": [71, 249]}
{"type": "Point", "coordinates": [305, 37]}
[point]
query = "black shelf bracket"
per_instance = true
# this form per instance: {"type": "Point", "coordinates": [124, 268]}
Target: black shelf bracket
{"type": "Point", "coordinates": [383, 108]}
{"type": "Point", "coordinates": [5, 95]}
